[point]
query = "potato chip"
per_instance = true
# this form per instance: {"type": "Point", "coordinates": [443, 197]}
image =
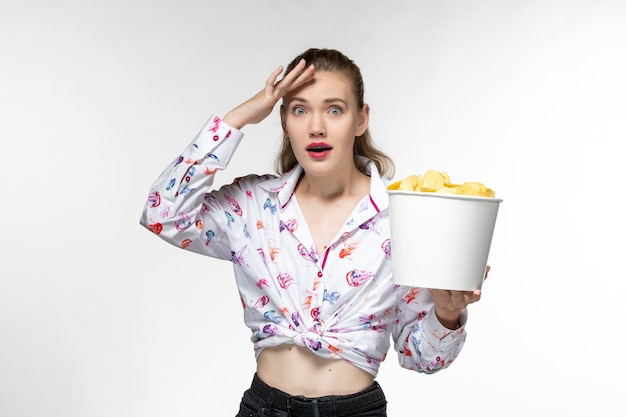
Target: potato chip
{"type": "Point", "coordinates": [406, 185]}
{"type": "Point", "coordinates": [394, 185]}
{"type": "Point", "coordinates": [435, 181]}
{"type": "Point", "coordinates": [415, 180]}
{"type": "Point", "coordinates": [473, 188]}
{"type": "Point", "coordinates": [449, 189]}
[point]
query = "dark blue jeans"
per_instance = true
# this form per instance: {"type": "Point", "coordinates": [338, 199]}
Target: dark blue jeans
{"type": "Point", "coordinates": [262, 400]}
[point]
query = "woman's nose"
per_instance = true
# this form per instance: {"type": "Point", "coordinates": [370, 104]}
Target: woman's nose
{"type": "Point", "coordinates": [317, 127]}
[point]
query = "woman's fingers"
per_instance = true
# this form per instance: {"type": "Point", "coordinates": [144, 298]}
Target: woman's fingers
{"type": "Point", "coordinates": [453, 300]}
{"type": "Point", "coordinates": [271, 81]}
{"type": "Point", "coordinates": [461, 299]}
{"type": "Point", "coordinates": [303, 77]}
{"type": "Point", "coordinates": [298, 76]}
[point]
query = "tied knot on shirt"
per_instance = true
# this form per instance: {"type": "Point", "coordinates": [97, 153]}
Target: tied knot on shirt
{"type": "Point", "coordinates": [312, 338]}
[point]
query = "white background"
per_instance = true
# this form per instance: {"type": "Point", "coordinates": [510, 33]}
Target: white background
{"type": "Point", "coordinates": [98, 317]}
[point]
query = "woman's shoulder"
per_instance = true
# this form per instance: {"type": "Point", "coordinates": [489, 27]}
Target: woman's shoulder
{"type": "Point", "coordinates": [248, 183]}
{"type": "Point", "coordinates": [254, 178]}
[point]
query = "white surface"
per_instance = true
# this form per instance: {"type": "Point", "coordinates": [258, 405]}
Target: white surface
{"type": "Point", "coordinates": [441, 240]}
{"type": "Point", "coordinates": [100, 318]}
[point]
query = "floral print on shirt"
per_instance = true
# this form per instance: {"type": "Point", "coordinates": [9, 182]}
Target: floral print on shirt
{"type": "Point", "coordinates": [339, 303]}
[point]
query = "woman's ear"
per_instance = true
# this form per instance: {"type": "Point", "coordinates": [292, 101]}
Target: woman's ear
{"type": "Point", "coordinates": [364, 119]}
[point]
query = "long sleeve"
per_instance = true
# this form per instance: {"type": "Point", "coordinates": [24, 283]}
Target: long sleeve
{"type": "Point", "coordinates": [421, 342]}
{"type": "Point", "coordinates": [177, 203]}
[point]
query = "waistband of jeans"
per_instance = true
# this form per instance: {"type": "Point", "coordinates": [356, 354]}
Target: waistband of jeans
{"type": "Point", "coordinates": [340, 405]}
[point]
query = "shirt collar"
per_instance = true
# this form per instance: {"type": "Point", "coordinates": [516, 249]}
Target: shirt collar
{"type": "Point", "coordinates": [285, 185]}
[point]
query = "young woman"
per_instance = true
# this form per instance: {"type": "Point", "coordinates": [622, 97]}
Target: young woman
{"type": "Point", "coordinates": [310, 247]}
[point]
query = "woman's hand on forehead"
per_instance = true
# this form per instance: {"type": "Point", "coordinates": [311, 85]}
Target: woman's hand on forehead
{"type": "Point", "coordinates": [261, 104]}
{"type": "Point", "coordinates": [296, 78]}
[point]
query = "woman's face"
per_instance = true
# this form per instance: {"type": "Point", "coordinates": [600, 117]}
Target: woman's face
{"type": "Point", "coordinates": [322, 119]}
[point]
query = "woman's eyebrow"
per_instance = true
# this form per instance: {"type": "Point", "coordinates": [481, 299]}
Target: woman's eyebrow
{"type": "Point", "coordinates": [328, 100]}
{"type": "Point", "coordinates": [337, 99]}
{"type": "Point", "coordinates": [297, 99]}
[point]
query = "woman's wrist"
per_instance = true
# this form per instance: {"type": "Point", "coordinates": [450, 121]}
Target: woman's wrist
{"type": "Point", "coordinates": [232, 120]}
{"type": "Point", "coordinates": [451, 320]}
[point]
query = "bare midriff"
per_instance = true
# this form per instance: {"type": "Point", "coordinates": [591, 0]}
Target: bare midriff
{"type": "Point", "coordinates": [298, 371]}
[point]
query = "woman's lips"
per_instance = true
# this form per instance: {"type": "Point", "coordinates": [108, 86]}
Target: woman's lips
{"type": "Point", "coordinates": [318, 150]}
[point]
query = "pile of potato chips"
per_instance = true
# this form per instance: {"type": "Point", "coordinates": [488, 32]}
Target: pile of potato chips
{"type": "Point", "coordinates": [439, 182]}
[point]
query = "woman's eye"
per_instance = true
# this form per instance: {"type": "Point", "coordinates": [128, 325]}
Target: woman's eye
{"type": "Point", "coordinates": [298, 111]}
{"type": "Point", "coordinates": [335, 110]}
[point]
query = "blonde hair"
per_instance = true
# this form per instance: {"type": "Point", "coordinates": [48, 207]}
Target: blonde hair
{"type": "Point", "coordinates": [333, 60]}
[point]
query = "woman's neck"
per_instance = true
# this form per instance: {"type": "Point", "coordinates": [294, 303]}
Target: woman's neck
{"type": "Point", "coordinates": [334, 187]}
